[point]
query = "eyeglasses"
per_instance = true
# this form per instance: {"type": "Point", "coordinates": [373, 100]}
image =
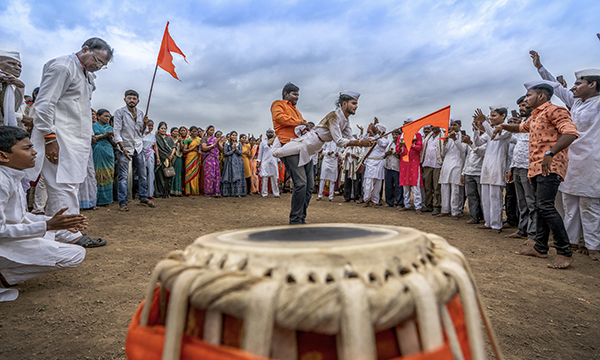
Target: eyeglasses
{"type": "Point", "coordinates": [102, 65]}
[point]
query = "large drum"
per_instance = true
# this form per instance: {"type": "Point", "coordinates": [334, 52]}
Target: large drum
{"type": "Point", "coordinates": [318, 292]}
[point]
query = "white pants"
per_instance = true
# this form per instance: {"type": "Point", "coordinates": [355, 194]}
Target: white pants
{"type": "Point", "coordinates": [582, 217]}
{"type": "Point", "coordinates": [416, 190]}
{"type": "Point", "coordinates": [452, 199]}
{"type": "Point", "coordinates": [331, 188]}
{"type": "Point", "coordinates": [265, 185]}
{"type": "Point", "coordinates": [149, 165]}
{"type": "Point", "coordinates": [60, 195]}
{"type": "Point", "coordinates": [491, 203]}
{"type": "Point", "coordinates": [69, 256]}
{"type": "Point", "coordinates": [371, 189]}
{"type": "Point", "coordinates": [41, 197]}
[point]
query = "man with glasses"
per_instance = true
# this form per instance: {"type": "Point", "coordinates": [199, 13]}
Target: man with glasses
{"type": "Point", "coordinates": [62, 128]}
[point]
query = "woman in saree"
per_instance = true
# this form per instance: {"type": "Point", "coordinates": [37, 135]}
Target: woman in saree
{"type": "Point", "coordinates": [233, 182]}
{"type": "Point", "coordinates": [149, 149]}
{"type": "Point", "coordinates": [212, 148]}
{"type": "Point", "coordinates": [104, 157]}
{"type": "Point", "coordinates": [165, 147]}
{"type": "Point", "coordinates": [177, 180]}
{"type": "Point", "coordinates": [192, 163]}
{"type": "Point", "coordinates": [246, 148]}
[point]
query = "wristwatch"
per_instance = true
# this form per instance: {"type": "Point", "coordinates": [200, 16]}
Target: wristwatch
{"type": "Point", "coordinates": [548, 152]}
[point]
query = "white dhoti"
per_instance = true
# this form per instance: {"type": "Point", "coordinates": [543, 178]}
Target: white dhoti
{"type": "Point", "coordinates": [331, 188]}
{"type": "Point", "coordinates": [416, 191]}
{"type": "Point", "coordinates": [69, 256]}
{"type": "Point", "coordinates": [582, 218]}
{"type": "Point", "coordinates": [306, 147]}
{"type": "Point", "coordinates": [265, 185]}
{"type": "Point", "coordinates": [491, 203]}
{"type": "Point", "coordinates": [452, 199]}
{"type": "Point", "coordinates": [60, 195]}
{"type": "Point", "coordinates": [372, 190]}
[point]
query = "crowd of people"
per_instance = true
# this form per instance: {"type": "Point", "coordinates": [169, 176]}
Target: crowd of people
{"type": "Point", "coordinates": [515, 164]}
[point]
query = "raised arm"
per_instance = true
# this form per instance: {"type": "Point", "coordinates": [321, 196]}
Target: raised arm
{"type": "Point", "coordinates": [561, 92]}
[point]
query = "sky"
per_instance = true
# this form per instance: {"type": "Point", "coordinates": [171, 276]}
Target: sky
{"type": "Point", "coordinates": [406, 58]}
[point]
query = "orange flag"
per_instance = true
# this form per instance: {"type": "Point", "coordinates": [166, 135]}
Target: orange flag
{"type": "Point", "coordinates": [440, 118]}
{"type": "Point", "coordinates": [165, 59]}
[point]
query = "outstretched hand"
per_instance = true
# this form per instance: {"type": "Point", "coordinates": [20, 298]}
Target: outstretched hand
{"type": "Point", "coordinates": [478, 116]}
{"type": "Point", "coordinates": [71, 222]}
{"type": "Point", "coordinates": [536, 59]}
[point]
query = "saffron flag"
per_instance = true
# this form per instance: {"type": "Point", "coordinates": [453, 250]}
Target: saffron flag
{"type": "Point", "coordinates": [440, 118]}
{"type": "Point", "coordinates": [165, 59]}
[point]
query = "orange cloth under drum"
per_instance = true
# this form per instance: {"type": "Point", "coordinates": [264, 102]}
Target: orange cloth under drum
{"type": "Point", "coordinates": [146, 343]}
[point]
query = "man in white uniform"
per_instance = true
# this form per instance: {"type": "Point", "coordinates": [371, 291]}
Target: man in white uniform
{"type": "Point", "coordinates": [580, 192]}
{"type": "Point", "coordinates": [62, 128]}
{"type": "Point", "coordinates": [11, 90]}
{"type": "Point", "coordinates": [471, 175]}
{"type": "Point", "coordinates": [27, 246]}
{"type": "Point", "coordinates": [329, 168]}
{"type": "Point", "coordinates": [267, 164]}
{"type": "Point", "coordinates": [374, 168]}
{"type": "Point", "coordinates": [454, 153]}
{"type": "Point", "coordinates": [352, 180]}
{"type": "Point", "coordinates": [431, 161]}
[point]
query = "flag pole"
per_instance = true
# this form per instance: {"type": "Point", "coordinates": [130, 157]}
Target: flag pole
{"type": "Point", "coordinates": [151, 87]}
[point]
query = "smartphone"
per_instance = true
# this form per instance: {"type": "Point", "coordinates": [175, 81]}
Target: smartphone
{"type": "Point", "coordinates": [514, 113]}
{"type": "Point", "coordinates": [463, 132]}
{"type": "Point", "coordinates": [560, 79]}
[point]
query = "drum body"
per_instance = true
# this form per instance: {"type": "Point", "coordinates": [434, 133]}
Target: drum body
{"type": "Point", "coordinates": [330, 291]}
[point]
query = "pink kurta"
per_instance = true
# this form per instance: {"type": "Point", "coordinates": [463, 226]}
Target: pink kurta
{"type": "Point", "coordinates": [410, 172]}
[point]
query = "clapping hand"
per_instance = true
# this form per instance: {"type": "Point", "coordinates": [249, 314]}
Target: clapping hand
{"type": "Point", "coordinates": [71, 222]}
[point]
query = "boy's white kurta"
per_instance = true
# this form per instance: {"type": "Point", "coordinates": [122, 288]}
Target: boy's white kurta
{"type": "Point", "coordinates": [581, 194]}
{"type": "Point", "coordinates": [334, 127]}
{"type": "Point", "coordinates": [26, 248]}
{"type": "Point", "coordinates": [329, 166]}
{"type": "Point", "coordinates": [63, 107]}
{"type": "Point", "coordinates": [374, 164]}
{"type": "Point", "coordinates": [493, 168]}
{"type": "Point", "coordinates": [268, 163]}
{"type": "Point", "coordinates": [454, 153]}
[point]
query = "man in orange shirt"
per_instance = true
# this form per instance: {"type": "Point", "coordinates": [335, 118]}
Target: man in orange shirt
{"type": "Point", "coordinates": [551, 131]}
{"type": "Point", "coordinates": [285, 118]}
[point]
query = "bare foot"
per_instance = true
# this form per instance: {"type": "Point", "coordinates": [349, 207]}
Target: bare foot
{"type": "Point", "coordinates": [442, 215]}
{"type": "Point", "coordinates": [529, 242]}
{"type": "Point", "coordinates": [418, 212]}
{"type": "Point", "coordinates": [497, 231]}
{"type": "Point", "coordinates": [583, 250]}
{"type": "Point", "coordinates": [472, 222]}
{"type": "Point", "coordinates": [483, 227]}
{"type": "Point", "coordinates": [531, 252]}
{"type": "Point", "coordinates": [516, 235]}
{"type": "Point", "coordinates": [455, 217]}
{"type": "Point", "coordinates": [403, 209]}
{"type": "Point", "coordinates": [594, 255]}
{"type": "Point", "coordinates": [561, 262]}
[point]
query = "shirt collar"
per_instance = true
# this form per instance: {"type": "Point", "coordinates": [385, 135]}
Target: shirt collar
{"type": "Point", "coordinates": [542, 107]}
{"type": "Point", "coordinates": [14, 173]}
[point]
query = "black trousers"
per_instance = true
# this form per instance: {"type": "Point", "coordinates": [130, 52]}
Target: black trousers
{"type": "Point", "coordinates": [511, 205]}
{"type": "Point", "coordinates": [548, 218]}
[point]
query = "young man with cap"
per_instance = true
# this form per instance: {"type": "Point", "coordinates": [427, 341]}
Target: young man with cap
{"type": "Point", "coordinates": [374, 167]}
{"type": "Point", "coordinates": [580, 194]}
{"type": "Point", "coordinates": [431, 162]}
{"type": "Point", "coordinates": [551, 131]}
{"type": "Point", "coordinates": [454, 153]}
{"type": "Point", "coordinates": [267, 165]}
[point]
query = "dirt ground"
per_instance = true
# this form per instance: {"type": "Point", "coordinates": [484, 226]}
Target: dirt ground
{"type": "Point", "coordinates": [537, 313]}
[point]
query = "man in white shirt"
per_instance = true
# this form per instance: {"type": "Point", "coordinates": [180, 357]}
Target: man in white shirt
{"type": "Point", "coordinates": [27, 246]}
{"type": "Point", "coordinates": [454, 153]}
{"type": "Point", "coordinates": [580, 192]}
{"type": "Point", "coordinates": [471, 175]}
{"type": "Point", "coordinates": [129, 126]}
{"type": "Point", "coordinates": [62, 128]}
{"type": "Point", "coordinates": [267, 165]}
{"type": "Point", "coordinates": [517, 175]}
{"type": "Point", "coordinates": [431, 161]}
{"type": "Point", "coordinates": [394, 194]}
{"type": "Point", "coordinates": [329, 168]}
{"type": "Point", "coordinates": [11, 91]}
{"type": "Point", "coordinates": [374, 168]}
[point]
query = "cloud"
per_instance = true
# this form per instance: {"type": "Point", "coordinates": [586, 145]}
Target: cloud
{"type": "Point", "coordinates": [407, 58]}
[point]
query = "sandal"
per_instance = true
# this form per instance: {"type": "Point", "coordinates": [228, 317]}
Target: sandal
{"type": "Point", "coordinates": [88, 242]}
{"type": "Point", "coordinates": [123, 208]}
{"type": "Point", "coordinates": [148, 203]}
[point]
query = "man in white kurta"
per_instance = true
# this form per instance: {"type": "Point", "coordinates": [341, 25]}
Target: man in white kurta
{"type": "Point", "coordinates": [493, 171]}
{"type": "Point", "coordinates": [352, 180]}
{"type": "Point", "coordinates": [267, 165]}
{"type": "Point", "coordinates": [471, 174]}
{"type": "Point", "coordinates": [329, 168]}
{"type": "Point", "coordinates": [375, 168]}
{"type": "Point", "coordinates": [11, 88]}
{"type": "Point", "coordinates": [580, 192]}
{"type": "Point", "coordinates": [454, 152]}
{"type": "Point", "coordinates": [62, 126]}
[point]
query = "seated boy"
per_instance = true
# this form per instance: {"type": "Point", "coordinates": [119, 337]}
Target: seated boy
{"type": "Point", "coordinates": [27, 246]}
